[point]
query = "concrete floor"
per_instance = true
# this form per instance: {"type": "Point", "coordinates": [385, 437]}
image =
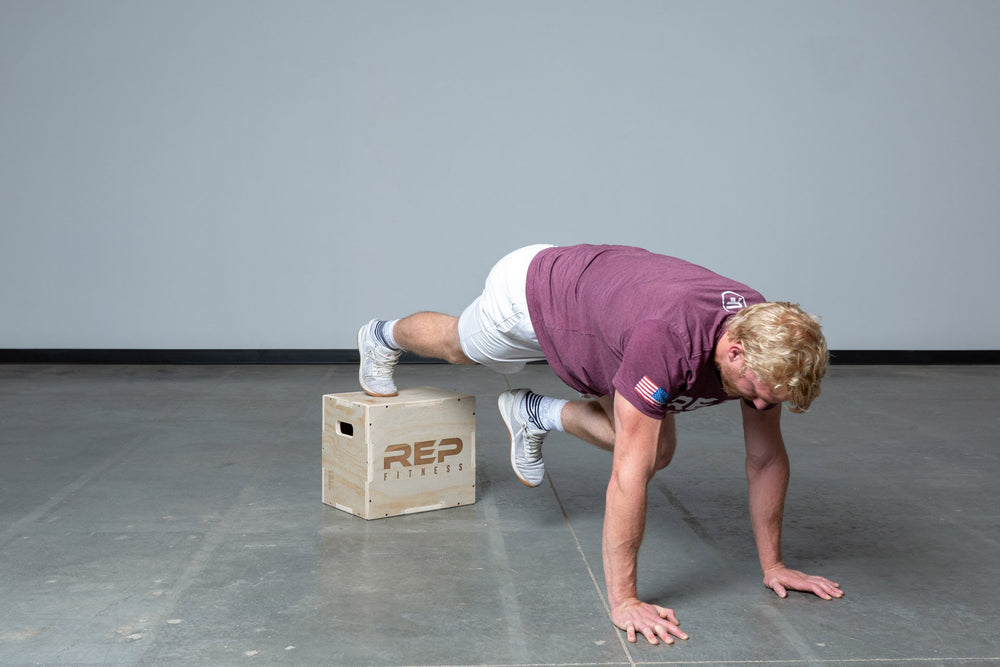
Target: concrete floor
{"type": "Point", "coordinates": [172, 515]}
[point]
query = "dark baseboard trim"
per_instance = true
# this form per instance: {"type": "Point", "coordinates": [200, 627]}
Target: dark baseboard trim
{"type": "Point", "coordinates": [297, 356]}
{"type": "Point", "coordinates": [167, 357]}
{"type": "Point", "coordinates": [915, 357]}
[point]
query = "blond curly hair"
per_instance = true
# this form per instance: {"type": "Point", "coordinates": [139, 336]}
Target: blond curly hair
{"type": "Point", "coordinates": [784, 347]}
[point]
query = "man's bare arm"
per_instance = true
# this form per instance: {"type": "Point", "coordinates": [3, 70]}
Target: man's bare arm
{"type": "Point", "coordinates": [636, 440]}
{"type": "Point", "coordinates": [767, 474]}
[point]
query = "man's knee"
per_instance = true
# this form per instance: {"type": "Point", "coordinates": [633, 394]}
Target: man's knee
{"type": "Point", "coordinates": [663, 458]}
{"type": "Point", "coordinates": [667, 444]}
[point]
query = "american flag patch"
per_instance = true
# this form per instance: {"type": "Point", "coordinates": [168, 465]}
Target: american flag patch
{"type": "Point", "coordinates": [650, 393]}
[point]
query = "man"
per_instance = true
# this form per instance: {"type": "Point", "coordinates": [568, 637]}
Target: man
{"type": "Point", "coordinates": [646, 336]}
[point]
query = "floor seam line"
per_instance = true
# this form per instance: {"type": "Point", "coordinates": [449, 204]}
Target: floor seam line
{"type": "Point", "coordinates": [590, 570]}
{"type": "Point", "coordinates": [507, 590]}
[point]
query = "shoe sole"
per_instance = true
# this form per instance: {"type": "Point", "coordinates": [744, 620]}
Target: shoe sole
{"type": "Point", "coordinates": [510, 432]}
{"type": "Point", "coordinates": [361, 378]}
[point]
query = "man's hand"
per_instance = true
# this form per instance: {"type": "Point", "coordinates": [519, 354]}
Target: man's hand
{"type": "Point", "coordinates": [634, 617]}
{"type": "Point", "coordinates": [780, 579]}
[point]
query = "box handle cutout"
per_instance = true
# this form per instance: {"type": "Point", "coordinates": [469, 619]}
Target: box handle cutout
{"type": "Point", "coordinates": [345, 429]}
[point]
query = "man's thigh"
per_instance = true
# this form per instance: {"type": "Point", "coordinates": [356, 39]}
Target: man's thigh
{"type": "Point", "coordinates": [495, 330]}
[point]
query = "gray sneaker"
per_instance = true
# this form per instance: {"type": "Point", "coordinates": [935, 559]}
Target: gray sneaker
{"type": "Point", "coordinates": [377, 364]}
{"type": "Point", "coordinates": [525, 440]}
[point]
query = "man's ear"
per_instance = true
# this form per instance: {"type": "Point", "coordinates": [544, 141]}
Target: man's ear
{"type": "Point", "coordinates": [735, 352]}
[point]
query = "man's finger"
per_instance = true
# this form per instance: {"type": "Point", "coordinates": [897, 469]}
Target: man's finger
{"type": "Point", "coordinates": [667, 614]}
{"type": "Point", "coordinates": [664, 633]}
{"type": "Point", "coordinates": [630, 631]}
{"type": "Point", "coordinates": [832, 592]}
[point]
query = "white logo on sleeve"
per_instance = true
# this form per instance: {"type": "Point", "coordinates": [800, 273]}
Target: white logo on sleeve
{"type": "Point", "coordinates": [732, 301]}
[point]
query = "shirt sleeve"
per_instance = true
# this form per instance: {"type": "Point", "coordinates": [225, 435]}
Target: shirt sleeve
{"type": "Point", "coordinates": [653, 368]}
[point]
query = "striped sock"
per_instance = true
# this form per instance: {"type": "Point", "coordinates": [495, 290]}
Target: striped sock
{"type": "Point", "coordinates": [382, 331]}
{"type": "Point", "coordinates": [544, 412]}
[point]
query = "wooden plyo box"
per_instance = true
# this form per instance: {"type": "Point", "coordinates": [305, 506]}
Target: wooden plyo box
{"type": "Point", "coordinates": [409, 453]}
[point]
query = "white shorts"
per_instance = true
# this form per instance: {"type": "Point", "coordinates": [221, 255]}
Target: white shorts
{"type": "Point", "coordinates": [495, 330]}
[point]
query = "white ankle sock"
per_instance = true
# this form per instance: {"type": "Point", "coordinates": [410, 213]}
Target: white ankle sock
{"type": "Point", "coordinates": [544, 412]}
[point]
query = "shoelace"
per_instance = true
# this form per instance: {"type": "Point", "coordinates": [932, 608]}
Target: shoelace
{"type": "Point", "coordinates": [383, 361]}
{"type": "Point", "coordinates": [532, 444]}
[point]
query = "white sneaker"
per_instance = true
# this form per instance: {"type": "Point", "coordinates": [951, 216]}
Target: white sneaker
{"type": "Point", "coordinates": [525, 440]}
{"type": "Point", "coordinates": [377, 363]}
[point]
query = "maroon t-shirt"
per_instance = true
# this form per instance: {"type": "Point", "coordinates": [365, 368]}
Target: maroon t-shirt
{"type": "Point", "coordinates": [617, 318]}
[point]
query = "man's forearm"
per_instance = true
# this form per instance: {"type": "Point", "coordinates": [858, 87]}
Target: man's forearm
{"type": "Point", "coordinates": [767, 485]}
{"type": "Point", "coordinates": [624, 524]}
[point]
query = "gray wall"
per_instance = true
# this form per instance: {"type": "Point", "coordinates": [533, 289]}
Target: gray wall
{"type": "Point", "coordinates": [249, 174]}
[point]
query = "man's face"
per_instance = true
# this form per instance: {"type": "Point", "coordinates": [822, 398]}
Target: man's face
{"type": "Point", "coordinates": [736, 381]}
